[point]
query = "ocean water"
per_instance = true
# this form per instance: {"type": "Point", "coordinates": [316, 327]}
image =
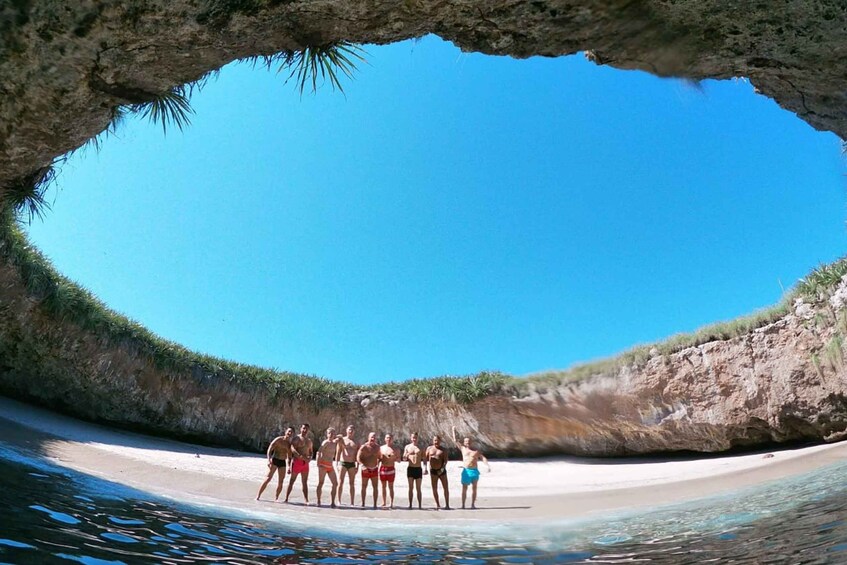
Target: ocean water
{"type": "Point", "coordinates": [52, 515]}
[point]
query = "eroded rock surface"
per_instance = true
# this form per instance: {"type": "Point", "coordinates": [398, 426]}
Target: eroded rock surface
{"type": "Point", "coordinates": [784, 381]}
{"type": "Point", "coordinates": [64, 66]}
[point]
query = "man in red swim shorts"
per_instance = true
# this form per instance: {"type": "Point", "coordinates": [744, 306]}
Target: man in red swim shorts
{"type": "Point", "coordinates": [368, 458]}
{"type": "Point", "coordinates": [388, 456]}
{"type": "Point", "coordinates": [301, 452]}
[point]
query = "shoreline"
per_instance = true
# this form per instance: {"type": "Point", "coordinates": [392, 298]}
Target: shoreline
{"type": "Point", "coordinates": [515, 492]}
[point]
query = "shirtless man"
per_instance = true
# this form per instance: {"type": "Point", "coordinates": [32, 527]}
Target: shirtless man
{"type": "Point", "coordinates": [436, 457]}
{"type": "Point", "coordinates": [414, 473]}
{"type": "Point", "coordinates": [279, 454]}
{"type": "Point", "coordinates": [301, 450]}
{"type": "Point", "coordinates": [470, 474]}
{"type": "Point", "coordinates": [368, 459]}
{"type": "Point", "coordinates": [388, 457]}
{"type": "Point", "coordinates": [349, 467]}
{"type": "Point", "coordinates": [328, 455]}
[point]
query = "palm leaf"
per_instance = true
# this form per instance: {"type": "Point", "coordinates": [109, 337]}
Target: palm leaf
{"type": "Point", "coordinates": [27, 195]}
{"type": "Point", "coordinates": [321, 62]}
{"type": "Point", "coordinates": [171, 108]}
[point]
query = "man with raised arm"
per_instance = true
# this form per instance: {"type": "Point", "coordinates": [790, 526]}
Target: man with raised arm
{"type": "Point", "coordinates": [328, 455]}
{"type": "Point", "coordinates": [349, 466]}
{"type": "Point", "coordinates": [368, 459]}
{"type": "Point", "coordinates": [388, 457]}
{"type": "Point", "coordinates": [301, 450]}
{"type": "Point", "coordinates": [279, 455]}
{"type": "Point", "coordinates": [436, 457]}
{"type": "Point", "coordinates": [414, 473]}
{"type": "Point", "coordinates": [470, 473]}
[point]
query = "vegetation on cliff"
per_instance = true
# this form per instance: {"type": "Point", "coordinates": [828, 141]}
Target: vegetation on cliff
{"type": "Point", "coordinates": [67, 301]}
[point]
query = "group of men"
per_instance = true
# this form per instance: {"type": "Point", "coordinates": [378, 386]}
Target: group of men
{"type": "Point", "coordinates": [292, 453]}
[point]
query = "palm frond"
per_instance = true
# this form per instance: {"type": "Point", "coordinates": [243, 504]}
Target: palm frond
{"type": "Point", "coordinates": [28, 194]}
{"type": "Point", "coordinates": [119, 114]}
{"type": "Point", "coordinates": [171, 108]}
{"type": "Point", "coordinates": [322, 62]}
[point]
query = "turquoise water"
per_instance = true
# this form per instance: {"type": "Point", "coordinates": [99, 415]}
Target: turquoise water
{"type": "Point", "coordinates": [51, 515]}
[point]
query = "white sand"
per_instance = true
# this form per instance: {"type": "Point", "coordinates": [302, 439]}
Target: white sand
{"type": "Point", "coordinates": [528, 489]}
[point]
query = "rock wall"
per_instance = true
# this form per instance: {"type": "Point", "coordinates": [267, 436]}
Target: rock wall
{"type": "Point", "coordinates": [64, 66]}
{"type": "Point", "coordinates": [784, 381]}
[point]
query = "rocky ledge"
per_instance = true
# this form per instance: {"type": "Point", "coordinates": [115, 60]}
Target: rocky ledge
{"type": "Point", "coordinates": [65, 66]}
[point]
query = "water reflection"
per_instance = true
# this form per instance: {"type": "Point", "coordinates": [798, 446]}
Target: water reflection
{"type": "Point", "coordinates": [51, 515]}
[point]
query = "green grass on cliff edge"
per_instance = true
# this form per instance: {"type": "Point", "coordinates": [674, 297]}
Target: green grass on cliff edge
{"type": "Point", "coordinates": [68, 301]}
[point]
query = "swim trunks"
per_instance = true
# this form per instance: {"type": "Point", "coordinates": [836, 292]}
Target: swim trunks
{"type": "Point", "coordinates": [277, 462]}
{"type": "Point", "coordinates": [437, 472]}
{"type": "Point", "coordinates": [299, 466]}
{"type": "Point", "coordinates": [325, 464]}
{"type": "Point", "coordinates": [386, 473]}
{"type": "Point", "coordinates": [414, 472]}
{"type": "Point", "coordinates": [470, 476]}
{"type": "Point", "coordinates": [368, 473]}
{"type": "Point", "coordinates": [348, 464]}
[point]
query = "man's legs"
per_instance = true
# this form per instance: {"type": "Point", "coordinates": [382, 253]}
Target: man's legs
{"type": "Point", "coordinates": [464, 494]}
{"type": "Point", "coordinates": [350, 475]}
{"type": "Point", "coordinates": [364, 490]}
{"type": "Point", "coordinates": [375, 489]}
{"type": "Point", "coordinates": [304, 476]}
{"type": "Point", "coordinates": [434, 480]}
{"type": "Point", "coordinates": [418, 485]}
{"type": "Point", "coordinates": [321, 477]}
{"type": "Point", "coordinates": [291, 480]}
{"type": "Point", "coordinates": [473, 495]}
{"type": "Point", "coordinates": [391, 492]}
{"type": "Point", "coordinates": [334, 492]}
{"type": "Point", "coordinates": [383, 491]}
{"type": "Point", "coordinates": [443, 479]}
{"type": "Point", "coordinates": [280, 473]}
{"type": "Point", "coordinates": [267, 480]}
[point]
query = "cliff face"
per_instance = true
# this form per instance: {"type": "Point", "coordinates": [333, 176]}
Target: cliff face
{"type": "Point", "coordinates": [784, 381]}
{"type": "Point", "coordinates": [64, 66]}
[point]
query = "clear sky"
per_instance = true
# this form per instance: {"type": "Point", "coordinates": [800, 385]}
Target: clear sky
{"type": "Point", "coordinates": [449, 213]}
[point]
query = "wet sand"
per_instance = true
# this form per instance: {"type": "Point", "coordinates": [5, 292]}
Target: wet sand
{"type": "Point", "coordinates": [515, 491]}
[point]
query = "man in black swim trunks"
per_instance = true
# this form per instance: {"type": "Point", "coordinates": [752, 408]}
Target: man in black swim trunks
{"type": "Point", "coordinates": [279, 454]}
{"type": "Point", "coordinates": [436, 457]}
{"type": "Point", "coordinates": [349, 467]}
{"type": "Point", "coordinates": [414, 473]}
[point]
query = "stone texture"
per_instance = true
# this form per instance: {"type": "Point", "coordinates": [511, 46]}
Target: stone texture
{"type": "Point", "coordinates": [64, 66]}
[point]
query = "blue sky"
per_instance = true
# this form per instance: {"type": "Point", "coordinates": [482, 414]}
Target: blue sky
{"type": "Point", "coordinates": [449, 213]}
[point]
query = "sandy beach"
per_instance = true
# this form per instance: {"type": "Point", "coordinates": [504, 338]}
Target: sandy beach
{"type": "Point", "coordinates": [515, 491]}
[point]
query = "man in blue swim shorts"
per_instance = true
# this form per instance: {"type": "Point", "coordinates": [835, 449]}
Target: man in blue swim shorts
{"type": "Point", "coordinates": [470, 473]}
{"type": "Point", "coordinates": [470, 476]}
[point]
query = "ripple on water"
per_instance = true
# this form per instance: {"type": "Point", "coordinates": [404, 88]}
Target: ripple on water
{"type": "Point", "coordinates": [121, 538]}
{"type": "Point", "coordinates": [104, 530]}
{"type": "Point", "coordinates": [15, 544]}
{"type": "Point", "coordinates": [58, 516]}
{"type": "Point", "coordinates": [192, 532]}
{"type": "Point", "coordinates": [125, 522]}
{"type": "Point", "coordinates": [89, 560]}
{"type": "Point", "coordinates": [612, 539]}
